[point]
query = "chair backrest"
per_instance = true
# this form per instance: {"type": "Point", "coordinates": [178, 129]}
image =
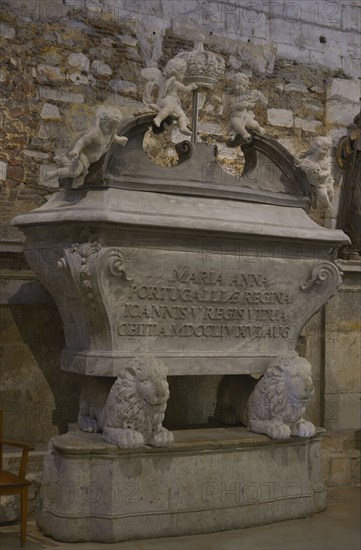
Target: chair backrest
{"type": "Point", "coordinates": [1, 436]}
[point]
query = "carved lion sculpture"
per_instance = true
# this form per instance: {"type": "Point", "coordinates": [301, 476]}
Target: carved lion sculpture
{"type": "Point", "coordinates": [273, 405]}
{"type": "Point", "coordinates": [130, 410]}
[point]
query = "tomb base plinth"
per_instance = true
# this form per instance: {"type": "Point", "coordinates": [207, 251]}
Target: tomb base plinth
{"type": "Point", "coordinates": [210, 480]}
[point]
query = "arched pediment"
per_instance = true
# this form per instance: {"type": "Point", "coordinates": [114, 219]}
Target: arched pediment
{"type": "Point", "coordinates": [270, 175]}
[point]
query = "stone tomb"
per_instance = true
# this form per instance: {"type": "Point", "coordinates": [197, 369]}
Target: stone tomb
{"type": "Point", "coordinates": [189, 264]}
{"type": "Point", "coordinates": [209, 274]}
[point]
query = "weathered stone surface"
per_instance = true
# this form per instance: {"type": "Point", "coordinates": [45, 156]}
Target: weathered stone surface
{"type": "Point", "coordinates": [355, 463]}
{"type": "Point", "coordinates": [280, 117]}
{"type": "Point", "coordinates": [344, 90]}
{"type": "Point", "coordinates": [340, 457]}
{"type": "Point", "coordinates": [293, 52]}
{"type": "Point", "coordinates": [36, 403]}
{"type": "Point", "coordinates": [313, 126]}
{"type": "Point", "coordinates": [80, 61]}
{"type": "Point", "coordinates": [351, 16]}
{"type": "Point", "coordinates": [299, 87]}
{"type": "Point", "coordinates": [79, 79]}
{"type": "Point", "coordinates": [303, 42]}
{"type": "Point", "coordinates": [209, 128]}
{"type": "Point", "coordinates": [342, 372]}
{"type": "Point", "coordinates": [122, 86]}
{"type": "Point", "coordinates": [48, 130]}
{"type": "Point", "coordinates": [52, 57]}
{"type": "Point", "coordinates": [128, 40]}
{"type": "Point", "coordinates": [314, 108]}
{"type": "Point", "coordinates": [3, 170]}
{"type": "Point", "coordinates": [50, 112]}
{"type": "Point", "coordinates": [50, 72]}
{"type": "Point", "coordinates": [35, 154]}
{"type": "Point", "coordinates": [100, 68]}
{"type": "Point", "coordinates": [57, 94]}
{"type": "Point", "coordinates": [340, 113]}
{"type": "Point", "coordinates": [210, 480]}
{"type": "Point", "coordinates": [339, 470]}
{"type": "Point", "coordinates": [342, 410]}
{"type": "Point", "coordinates": [317, 89]}
{"type": "Point", "coordinates": [6, 31]}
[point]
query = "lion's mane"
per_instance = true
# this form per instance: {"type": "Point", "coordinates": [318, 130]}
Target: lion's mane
{"type": "Point", "coordinates": [275, 395]}
{"type": "Point", "coordinates": [127, 407]}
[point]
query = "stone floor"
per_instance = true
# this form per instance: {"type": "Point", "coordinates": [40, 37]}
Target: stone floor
{"type": "Point", "coordinates": [335, 529]}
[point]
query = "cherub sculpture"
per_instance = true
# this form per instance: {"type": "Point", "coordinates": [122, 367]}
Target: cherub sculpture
{"type": "Point", "coordinates": [90, 147]}
{"type": "Point", "coordinates": [241, 103]}
{"type": "Point", "coordinates": [316, 163]}
{"type": "Point", "coordinates": [170, 86]}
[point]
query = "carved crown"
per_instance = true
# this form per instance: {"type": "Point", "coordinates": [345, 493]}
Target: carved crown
{"type": "Point", "coordinates": [203, 67]}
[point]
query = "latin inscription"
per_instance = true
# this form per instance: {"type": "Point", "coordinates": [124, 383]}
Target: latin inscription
{"type": "Point", "coordinates": [206, 304]}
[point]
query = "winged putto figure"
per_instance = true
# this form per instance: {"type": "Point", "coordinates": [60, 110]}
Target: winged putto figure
{"type": "Point", "coordinates": [316, 162]}
{"type": "Point", "coordinates": [241, 103]}
{"type": "Point", "coordinates": [170, 86]}
{"type": "Point", "coordinates": [89, 147]}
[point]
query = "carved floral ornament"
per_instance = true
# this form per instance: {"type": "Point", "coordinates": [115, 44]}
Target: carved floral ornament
{"type": "Point", "coordinates": [95, 262]}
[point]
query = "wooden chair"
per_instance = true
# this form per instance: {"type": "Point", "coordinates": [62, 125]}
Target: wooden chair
{"type": "Point", "coordinates": [11, 484]}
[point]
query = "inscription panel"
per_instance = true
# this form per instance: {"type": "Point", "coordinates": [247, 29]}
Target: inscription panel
{"type": "Point", "coordinates": [201, 314]}
{"type": "Point", "coordinates": [204, 304]}
{"type": "Point", "coordinates": [177, 302]}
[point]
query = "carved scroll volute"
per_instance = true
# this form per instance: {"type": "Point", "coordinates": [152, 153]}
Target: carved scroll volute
{"type": "Point", "coordinates": [96, 275]}
{"type": "Point", "coordinates": [323, 280]}
{"type": "Point", "coordinates": [325, 276]}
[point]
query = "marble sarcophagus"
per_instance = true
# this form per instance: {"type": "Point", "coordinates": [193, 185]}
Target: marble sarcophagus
{"type": "Point", "coordinates": [208, 272]}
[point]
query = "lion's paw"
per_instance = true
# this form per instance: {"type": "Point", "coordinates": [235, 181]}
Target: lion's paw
{"type": "Point", "coordinates": [278, 431]}
{"type": "Point", "coordinates": [125, 438]}
{"type": "Point", "coordinates": [129, 439]}
{"type": "Point", "coordinates": [303, 428]}
{"type": "Point", "coordinates": [88, 424]}
{"type": "Point", "coordinates": [161, 438]}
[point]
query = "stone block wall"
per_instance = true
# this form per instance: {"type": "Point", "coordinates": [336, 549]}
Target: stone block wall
{"type": "Point", "coordinates": [342, 383]}
{"type": "Point", "coordinates": [63, 58]}
{"type": "Point", "coordinates": [341, 459]}
{"type": "Point", "coordinates": [37, 399]}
